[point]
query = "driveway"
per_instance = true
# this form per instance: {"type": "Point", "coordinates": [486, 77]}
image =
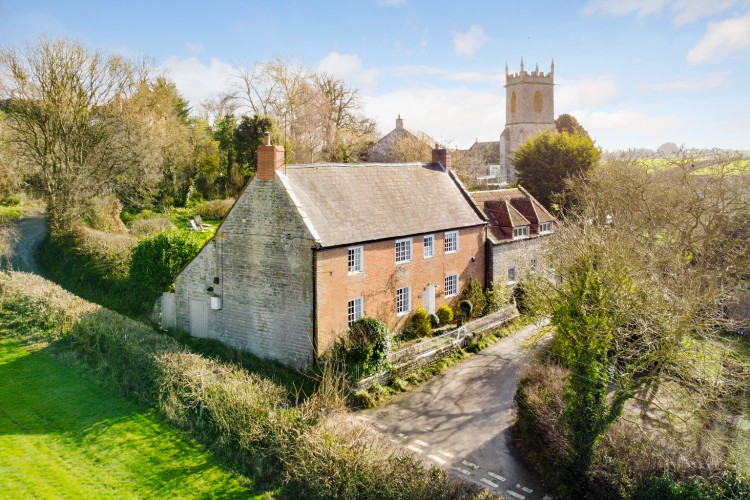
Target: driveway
{"type": "Point", "coordinates": [460, 420]}
{"type": "Point", "coordinates": [32, 231]}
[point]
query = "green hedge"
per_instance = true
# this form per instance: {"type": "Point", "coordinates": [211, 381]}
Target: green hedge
{"type": "Point", "coordinates": [307, 450]}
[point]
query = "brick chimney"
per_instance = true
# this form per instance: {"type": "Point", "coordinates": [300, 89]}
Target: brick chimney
{"type": "Point", "coordinates": [441, 155]}
{"type": "Point", "coordinates": [270, 159]}
{"type": "Point", "coordinates": [399, 123]}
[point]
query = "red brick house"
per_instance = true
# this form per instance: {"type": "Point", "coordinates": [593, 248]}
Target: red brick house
{"type": "Point", "coordinates": [308, 249]}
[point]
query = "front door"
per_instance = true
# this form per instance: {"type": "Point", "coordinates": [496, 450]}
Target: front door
{"type": "Point", "coordinates": [428, 298]}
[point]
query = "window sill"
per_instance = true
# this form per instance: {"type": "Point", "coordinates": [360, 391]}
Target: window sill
{"type": "Point", "coordinates": [398, 263]}
{"type": "Point", "coordinates": [398, 315]}
{"type": "Point", "coordinates": [450, 252]}
{"type": "Point", "coordinates": [354, 273]}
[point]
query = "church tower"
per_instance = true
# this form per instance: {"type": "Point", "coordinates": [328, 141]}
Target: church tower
{"type": "Point", "coordinates": [529, 108]}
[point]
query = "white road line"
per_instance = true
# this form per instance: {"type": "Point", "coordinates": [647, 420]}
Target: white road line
{"type": "Point", "coordinates": [515, 495]}
{"type": "Point", "coordinates": [421, 443]}
{"type": "Point", "coordinates": [393, 440]}
{"type": "Point", "coordinates": [524, 488]}
{"type": "Point", "coordinates": [381, 426]}
{"type": "Point", "coordinates": [546, 497]}
{"type": "Point", "coordinates": [401, 434]}
{"type": "Point", "coordinates": [462, 471]}
{"type": "Point", "coordinates": [469, 464]}
{"type": "Point", "coordinates": [437, 459]}
{"type": "Point", "coordinates": [415, 449]}
{"type": "Point", "coordinates": [363, 418]}
{"type": "Point", "coordinates": [496, 476]}
{"type": "Point", "coordinates": [487, 481]}
{"type": "Point", "coordinates": [446, 454]}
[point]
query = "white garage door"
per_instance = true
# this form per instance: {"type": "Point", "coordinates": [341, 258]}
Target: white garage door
{"type": "Point", "coordinates": [198, 318]}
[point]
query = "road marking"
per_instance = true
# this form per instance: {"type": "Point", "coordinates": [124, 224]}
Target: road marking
{"type": "Point", "coordinates": [401, 434]}
{"type": "Point", "coordinates": [524, 488]}
{"type": "Point", "coordinates": [415, 449]}
{"type": "Point", "coordinates": [487, 481]}
{"type": "Point", "coordinates": [393, 440]}
{"type": "Point", "coordinates": [547, 497]}
{"type": "Point", "coordinates": [462, 471]}
{"type": "Point", "coordinates": [446, 454]}
{"type": "Point", "coordinates": [380, 426]}
{"type": "Point", "coordinates": [363, 418]}
{"type": "Point", "coordinates": [469, 464]}
{"type": "Point", "coordinates": [496, 476]}
{"type": "Point", "coordinates": [515, 495]}
{"type": "Point", "coordinates": [421, 443]}
{"type": "Point", "coordinates": [437, 459]}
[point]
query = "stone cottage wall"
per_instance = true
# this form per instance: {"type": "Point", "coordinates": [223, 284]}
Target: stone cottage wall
{"type": "Point", "coordinates": [259, 264]}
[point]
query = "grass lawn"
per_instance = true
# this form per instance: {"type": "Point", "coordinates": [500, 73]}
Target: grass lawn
{"type": "Point", "coordinates": [63, 434]}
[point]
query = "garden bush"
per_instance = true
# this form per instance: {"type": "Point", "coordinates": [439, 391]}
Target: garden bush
{"type": "Point", "coordinates": [157, 260]}
{"type": "Point", "coordinates": [475, 295]}
{"type": "Point", "coordinates": [103, 214]}
{"type": "Point", "coordinates": [420, 323]}
{"type": "Point", "coordinates": [445, 314]}
{"type": "Point", "coordinates": [366, 346]}
{"type": "Point", "coordinates": [150, 226]}
{"type": "Point", "coordinates": [496, 296]}
{"type": "Point", "coordinates": [214, 209]}
{"type": "Point", "coordinates": [10, 201]}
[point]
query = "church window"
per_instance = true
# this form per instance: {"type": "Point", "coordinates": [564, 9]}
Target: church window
{"type": "Point", "coordinates": [513, 102]}
{"type": "Point", "coordinates": [538, 104]}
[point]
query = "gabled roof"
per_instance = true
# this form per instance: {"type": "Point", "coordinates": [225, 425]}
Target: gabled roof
{"type": "Point", "coordinates": [505, 209]}
{"type": "Point", "coordinates": [350, 203]}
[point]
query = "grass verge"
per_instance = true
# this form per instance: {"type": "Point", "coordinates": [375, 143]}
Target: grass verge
{"type": "Point", "coordinates": [68, 434]}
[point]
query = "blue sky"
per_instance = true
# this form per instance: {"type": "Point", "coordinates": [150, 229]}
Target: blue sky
{"type": "Point", "coordinates": [636, 73]}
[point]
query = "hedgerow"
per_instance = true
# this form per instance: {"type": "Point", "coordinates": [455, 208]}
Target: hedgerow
{"type": "Point", "coordinates": [311, 450]}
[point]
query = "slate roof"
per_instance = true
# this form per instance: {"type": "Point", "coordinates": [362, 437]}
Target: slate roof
{"type": "Point", "coordinates": [351, 203]}
{"type": "Point", "coordinates": [505, 209]}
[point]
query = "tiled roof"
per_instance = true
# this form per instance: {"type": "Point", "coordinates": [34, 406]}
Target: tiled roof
{"type": "Point", "coordinates": [505, 209]}
{"type": "Point", "coordinates": [351, 203]}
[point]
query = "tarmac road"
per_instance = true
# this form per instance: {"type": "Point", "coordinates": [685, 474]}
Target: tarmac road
{"type": "Point", "coordinates": [460, 421]}
{"type": "Point", "coordinates": [33, 230]}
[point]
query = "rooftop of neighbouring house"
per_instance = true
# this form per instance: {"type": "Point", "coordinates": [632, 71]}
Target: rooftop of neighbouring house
{"type": "Point", "coordinates": [358, 202]}
{"type": "Point", "coordinates": [507, 209]}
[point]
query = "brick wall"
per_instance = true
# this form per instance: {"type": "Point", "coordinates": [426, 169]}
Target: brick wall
{"type": "Point", "coordinates": [263, 259]}
{"type": "Point", "coordinates": [381, 277]}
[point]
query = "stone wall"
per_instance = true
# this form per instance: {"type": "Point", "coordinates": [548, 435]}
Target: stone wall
{"type": "Point", "coordinates": [259, 264]}
{"type": "Point", "coordinates": [519, 254]}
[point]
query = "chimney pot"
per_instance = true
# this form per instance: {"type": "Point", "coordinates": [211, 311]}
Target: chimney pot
{"type": "Point", "coordinates": [267, 139]}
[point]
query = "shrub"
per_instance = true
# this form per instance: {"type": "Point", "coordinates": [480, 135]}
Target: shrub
{"type": "Point", "coordinates": [420, 323]}
{"type": "Point", "coordinates": [475, 295]}
{"type": "Point", "coordinates": [214, 209]}
{"type": "Point", "coordinates": [496, 296]}
{"type": "Point", "coordinates": [445, 314]}
{"type": "Point", "coordinates": [157, 260]}
{"type": "Point", "coordinates": [366, 346]}
{"type": "Point", "coordinates": [520, 297]}
{"type": "Point", "coordinates": [11, 201]}
{"type": "Point", "coordinates": [103, 213]}
{"type": "Point", "coordinates": [150, 226]}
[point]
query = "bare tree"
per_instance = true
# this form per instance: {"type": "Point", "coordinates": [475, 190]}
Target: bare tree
{"type": "Point", "coordinates": [63, 118]}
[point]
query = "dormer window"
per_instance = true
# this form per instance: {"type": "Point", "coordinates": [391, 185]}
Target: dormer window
{"type": "Point", "coordinates": [545, 227]}
{"type": "Point", "coordinates": [520, 232]}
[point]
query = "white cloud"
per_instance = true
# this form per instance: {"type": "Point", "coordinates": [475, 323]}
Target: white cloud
{"type": "Point", "coordinates": [349, 67]}
{"type": "Point", "coordinates": [455, 117]}
{"type": "Point", "coordinates": [195, 48]}
{"type": "Point", "coordinates": [195, 80]}
{"type": "Point", "coordinates": [693, 85]}
{"type": "Point", "coordinates": [587, 91]}
{"type": "Point", "coordinates": [642, 7]}
{"type": "Point", "coordinates": [684, 11]}
{"type": "Point", "coordinates": [425, 38]}
{"type": "Point", "coordinates": [691, 10]}
{"type": "Point", "coordinates": [465, 44]}
{"type": "Point", "coordinates": [722, 39]}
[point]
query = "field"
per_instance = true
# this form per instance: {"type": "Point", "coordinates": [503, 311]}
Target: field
{"type": "Point", "coordinates": [66, 433]}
